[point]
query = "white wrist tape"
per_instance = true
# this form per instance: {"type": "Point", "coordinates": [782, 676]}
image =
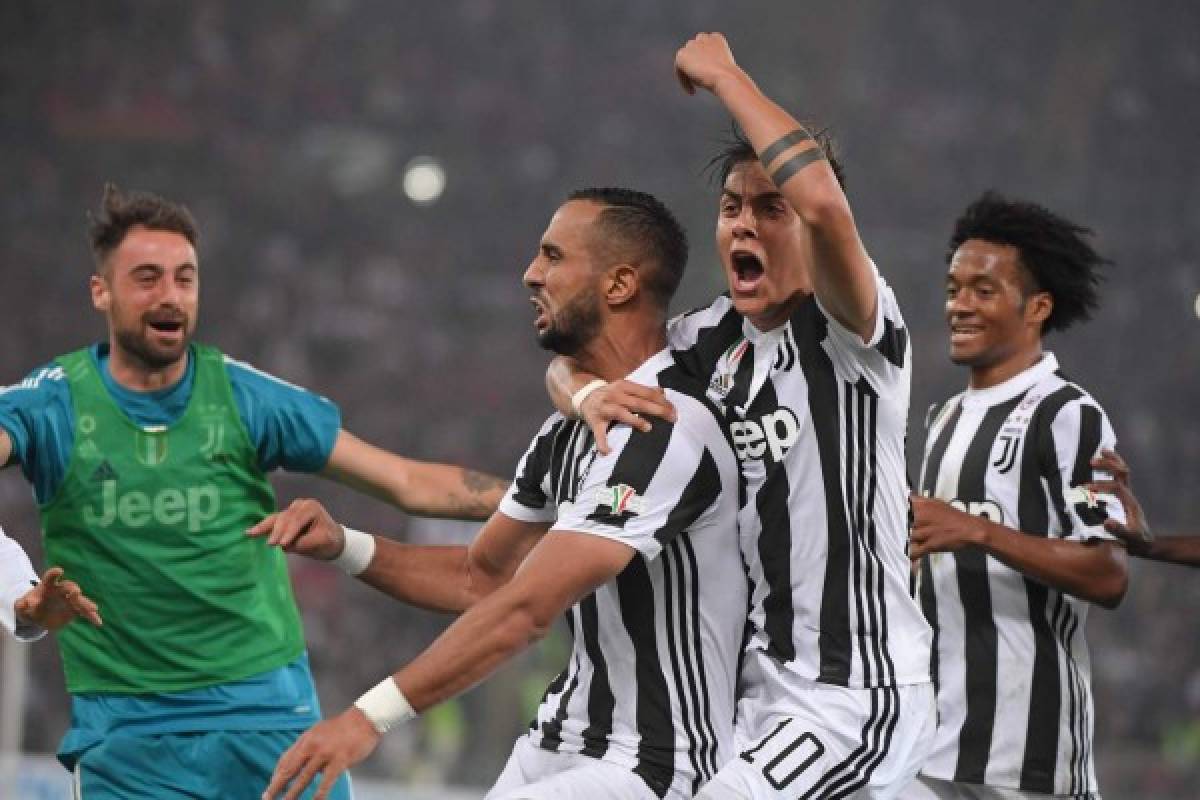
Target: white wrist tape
{"type": "Point", "coordinates": [357, 552]}
{"type": "Point", "coordinates": [583, 394]}
{"type": "Point", "coordinates": [385, 706]}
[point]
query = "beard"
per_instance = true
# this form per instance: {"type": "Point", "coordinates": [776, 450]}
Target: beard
{"type": "Point", "coordinates": [137, 342]}
{"type": "Point", "coordinates": [140, 347]}
{"type": "Point", "coordinates": [574, 326]}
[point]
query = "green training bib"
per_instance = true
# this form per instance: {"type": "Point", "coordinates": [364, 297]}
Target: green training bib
{"type": "Point", "coordinates": [151, 522]}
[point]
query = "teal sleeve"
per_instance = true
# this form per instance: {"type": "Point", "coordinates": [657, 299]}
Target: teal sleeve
{"type": "Point", "coordinates": [37, 416]}
{"type": "Point", "coordinates": [291, 428]}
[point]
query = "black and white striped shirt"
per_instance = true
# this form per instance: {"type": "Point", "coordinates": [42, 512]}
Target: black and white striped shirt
{"type": "Point", "coordinates": [1011, 664]}
{"type": "Point", "coordinates": [818, 420]}
{"type": "Point", "coordinates": [653, 670]}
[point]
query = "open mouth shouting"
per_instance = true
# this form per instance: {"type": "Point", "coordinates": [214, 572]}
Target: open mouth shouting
{"type": "Point", "coordinates": [542, 318]}
{"type": "Point", "coordinates": [748, 271]}
{"type": "Point", "coordinates": [167, 327]}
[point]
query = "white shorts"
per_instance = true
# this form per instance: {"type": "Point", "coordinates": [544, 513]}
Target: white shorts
{"type": "Point", "coordinates": [925, 788]}
{"type": "Point", "coordinates": [829, 742]}
{"type": "Point", "coordinates": [536, 774]}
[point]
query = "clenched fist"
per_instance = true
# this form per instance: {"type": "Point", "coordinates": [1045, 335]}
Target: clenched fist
{"type": "Point", "coordinates": [704, 62]}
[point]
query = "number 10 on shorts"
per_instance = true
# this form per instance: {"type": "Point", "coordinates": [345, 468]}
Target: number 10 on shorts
{"type": "Point", "coordinates": [784, 756]}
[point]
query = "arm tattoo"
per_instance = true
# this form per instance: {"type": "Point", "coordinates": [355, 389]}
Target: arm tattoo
{"type": "Point", "coordinates": [775, 150]}
{"type": "Point", "coordinates": [481, 482]}
{"type": "Point", "coordinates": [480, 487]}
{"type": "Point", "coordinates": [796, 163]}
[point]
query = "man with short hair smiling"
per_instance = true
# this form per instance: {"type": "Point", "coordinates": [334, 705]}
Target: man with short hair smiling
{"type": "Point", "coordinates": [1010, 537]}
{"type": "Point", "coordinates": [148, 455]}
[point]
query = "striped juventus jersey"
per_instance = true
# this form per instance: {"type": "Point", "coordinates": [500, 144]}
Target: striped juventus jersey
{"type": "Point", "coordinates": [1011, 665]}
{"type": "Point", "coordinates": [653, 669]}
{"type": "Point", "coordinates": [818, 422]}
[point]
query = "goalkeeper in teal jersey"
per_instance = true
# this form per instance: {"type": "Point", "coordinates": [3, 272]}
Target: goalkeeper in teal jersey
{"type": "Point", "coordinates": [148, 457]}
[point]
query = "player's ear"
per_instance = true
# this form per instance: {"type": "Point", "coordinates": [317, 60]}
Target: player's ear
{"type": "Point", "coordinates": [101, 292]}
{"type": "Point", "coordinates": [1038, 307]}
{"type": "Point", "coordinates": [623, 284]}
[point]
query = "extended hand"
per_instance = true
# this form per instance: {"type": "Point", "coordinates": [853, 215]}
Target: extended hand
{"type": "Point", "coordinates": [330, 748]}
{"type": "Point", "coordinates": [1135, 533]}
{"type": "Point", "coordinates": [624, 402]}
{"type": "Point", "coordinates": [54, 602]}
{"type": "Point", "coordinates": [703, 61]}
{"type": "Point", "coordinates": [305, 528]}
{"type": "Point", "coordinates": [940, 528]}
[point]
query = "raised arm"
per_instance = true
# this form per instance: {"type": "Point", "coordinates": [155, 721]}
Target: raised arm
{"type": "Point", "coordinates": [418, 487]}
{"type": "Point", "coordinates": [843, 278]}
{"type": "Point", "coordinates": [447, 578]}
{"type": "Point", "coordinates": [563, 567]}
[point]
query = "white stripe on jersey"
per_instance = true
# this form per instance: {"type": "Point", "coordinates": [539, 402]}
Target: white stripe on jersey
{"type": "Point", "coordinates": [35, 379]}
{"type": "Point", "coordinates": [1014, 697]}
{"type": "Point", "coordinates": [653, 669]}
{"type": "Point", "coordinates": [818, 420]}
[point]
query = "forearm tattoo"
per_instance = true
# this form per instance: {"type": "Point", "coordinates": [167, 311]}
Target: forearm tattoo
{"type": "Point", "coordinates": [776, 148]}
{"type": "Point", "coordinates": [796, 163]}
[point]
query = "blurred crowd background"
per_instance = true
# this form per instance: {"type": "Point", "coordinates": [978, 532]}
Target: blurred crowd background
{"type": "Point", "coordinates": [286, 127]}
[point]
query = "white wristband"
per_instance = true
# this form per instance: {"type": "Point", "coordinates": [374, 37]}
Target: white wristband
{"type": "Point", "coordinates": [583, 394]}
{"type": "Point", "coordinates": [357, 552]}
{"type": "Point", "coordinates": [385, 706]}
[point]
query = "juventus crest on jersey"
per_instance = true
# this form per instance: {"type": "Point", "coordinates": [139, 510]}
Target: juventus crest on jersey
{"type": "Point", "coordinates": [653, 669]}
{"type": "Point", "coordinates": [1010, 662]}
{"type": "Point", "coordinates": [818, 421]}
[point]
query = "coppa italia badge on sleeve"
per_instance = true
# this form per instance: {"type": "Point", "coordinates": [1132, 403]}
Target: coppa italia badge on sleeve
{"type": "Point", "coordinates": [620, 499]}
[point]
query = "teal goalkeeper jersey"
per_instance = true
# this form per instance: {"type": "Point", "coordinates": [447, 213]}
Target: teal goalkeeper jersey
{"type": "Point", "coordinates": [290, 427]}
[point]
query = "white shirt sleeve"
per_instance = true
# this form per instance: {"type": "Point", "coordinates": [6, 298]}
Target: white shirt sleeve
{"type": "Point", "coordinates": [529, 497]}
{"type": "Point", "coordinates": [16, 578]}
{"type": "Point", "coordinates": [646, 491]}
{"type": "Point", "coordinates": [884, 359]}
{"type": "Point", "coordinates": [1080, 431]}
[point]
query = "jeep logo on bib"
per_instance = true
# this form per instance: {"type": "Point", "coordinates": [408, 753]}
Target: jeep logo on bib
{"type": "Point", "coordinates": [773, 433]}
{"type": "Point", "coordinates": [192, 505]}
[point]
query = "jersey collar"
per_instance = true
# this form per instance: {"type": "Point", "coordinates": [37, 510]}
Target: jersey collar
{"type": "Point", "coordinates": [1012, 387]}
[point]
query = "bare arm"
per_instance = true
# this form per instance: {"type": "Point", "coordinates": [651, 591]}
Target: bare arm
{"type": "Point", "coordinates": [562, 568]}
{"type": "Point", "coordinates": [418, 487]}
{"type": "Point", "coordinates": [449, 578]}
{"type": "Point", "coordinates": [1183, 550]}
{"type": "Point", "coordinates": [617, 402]}
{"type": "Point", "coordinates": [1135, 531]}
{"type": "Point", "coordinates": [1094, 571]}
{"type": "Point", "coordinates": [453, 579]}
{"type": "Point", "coordinates": [843, 278]}
{"type": "Point", "coordinates": [6, 448]}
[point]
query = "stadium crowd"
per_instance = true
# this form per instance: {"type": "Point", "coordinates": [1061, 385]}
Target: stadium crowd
{"type": "Point", "coordinates": [286, 129]}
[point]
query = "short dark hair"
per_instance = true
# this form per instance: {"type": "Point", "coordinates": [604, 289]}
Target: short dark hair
{"type": "Point", "coordinates": [641, 222]}
{"type": "Point", "coordinates": [736, 149]}
{"type": "Point", "coordinates": [1054, 252]}
{"type": "Point", "coordinates": [119, 211]}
